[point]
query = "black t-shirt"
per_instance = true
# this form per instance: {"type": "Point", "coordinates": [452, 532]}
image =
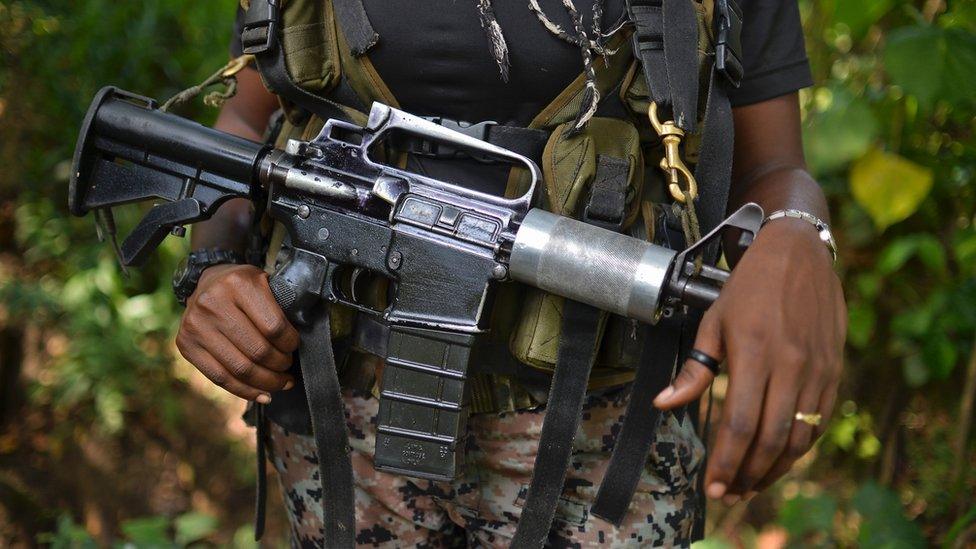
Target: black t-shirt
{"type": "Point", "coordinates": [435, 57]}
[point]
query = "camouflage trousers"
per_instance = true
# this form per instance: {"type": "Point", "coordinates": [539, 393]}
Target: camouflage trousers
{"type": "Point", "coordinates": [481, 509]}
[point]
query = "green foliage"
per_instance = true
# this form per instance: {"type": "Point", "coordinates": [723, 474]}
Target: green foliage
{"type": "Point", "coordinates": [67, 536]}
{"type": "Point", "coordinates": [889, 132]}
{"type": "Point", "coordinates": [820, 520]}
{"type": "Point", "coordinates": [116, 330]}
{"type": "Point", "coordinates": [933, 63]}
{"type": "Point", "coordinates": [810, 519]}
{"type": "Point", "coordinates": [156, 532]}
{"type": "Point", "coordinates": [883, 523]}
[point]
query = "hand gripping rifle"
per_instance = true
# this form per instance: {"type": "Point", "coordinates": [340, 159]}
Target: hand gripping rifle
{"type": "Point", "coordinates": [442, 247]}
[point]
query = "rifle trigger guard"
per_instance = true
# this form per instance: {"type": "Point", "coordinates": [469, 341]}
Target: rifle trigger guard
{"type": "Point", "coordinates": [672, 164]}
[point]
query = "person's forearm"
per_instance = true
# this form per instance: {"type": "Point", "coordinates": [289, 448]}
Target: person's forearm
{"type": "Point", "coordinates": [229, 227]}
{"type": "Point", "coordinates": [781, 187]}
{"type": "Point", "coordinates": [769, 169]}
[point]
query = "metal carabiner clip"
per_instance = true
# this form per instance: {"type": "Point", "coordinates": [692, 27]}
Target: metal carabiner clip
{"type": "Point", "coordinates": [672, 164]}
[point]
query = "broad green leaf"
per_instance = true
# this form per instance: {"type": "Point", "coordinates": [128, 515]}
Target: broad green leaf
{"type": "Point", "coordinates": [148, 532]}
{"type": "Point", "coordinates": [895, 255]}
{"type": "Point", "coordinates": [959, 80]}
{"type": "Point", "coordinates": [841, 133]}
{"type": "Point", "coordinates": [933, 63]}
{"type": "Point", "coordinates": [868, 285]}
{"type": "Point", "coordinates": [964, 248]}
{"type": "Point", "coordinates": [192, 527]}
{"type": "Point", "coordinates": [915, 60]}
{"type": "Point", "coordinates": [922, 245]}
{"type": "Point", "coordinates": [890, 188]}
{"type": "Point", "coordinates": [802, 516]}
{"type": "Point", "coordinates": [843, 432]}
{"type": "Point", "coordinates": [913, 323]}
{"type": "Point", "coordinates": [859, 15]}
{"type": "Point", "coordinates": [69, 535]}
{"type": "Point", "coordinates": [868, 447]}
{"type": "Point", "coordinates": [244, 538]}
{"type": "Point", "coordinates": [884, 523]}
{"type": "Point", "coordinates": [961, 15]}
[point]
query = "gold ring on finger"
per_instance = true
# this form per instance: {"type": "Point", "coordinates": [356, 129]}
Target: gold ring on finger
{"type": "Point", "coordinates": [812, 420]}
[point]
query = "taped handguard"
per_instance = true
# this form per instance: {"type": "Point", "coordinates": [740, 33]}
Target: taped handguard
{"type": "Point", "coordinates": [443, 248]}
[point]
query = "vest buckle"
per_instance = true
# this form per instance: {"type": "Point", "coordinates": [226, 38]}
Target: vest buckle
{"type": "Point", "coordinates": [728, 41]}
{"type": "Point", "coordinates": [260, 26]}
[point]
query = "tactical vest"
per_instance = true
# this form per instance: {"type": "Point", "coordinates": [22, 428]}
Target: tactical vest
{"type": "Point", "coordinates": [678, 56]}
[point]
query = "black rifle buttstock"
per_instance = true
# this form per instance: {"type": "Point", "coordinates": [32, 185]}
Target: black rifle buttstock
{"type": "Point", "coordinates": [129, 151]}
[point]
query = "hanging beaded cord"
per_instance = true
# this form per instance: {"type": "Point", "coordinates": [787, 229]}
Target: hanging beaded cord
{"type": "Point", "coordinates": [590, 42]}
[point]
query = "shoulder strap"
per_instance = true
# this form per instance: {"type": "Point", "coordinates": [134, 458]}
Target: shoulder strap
{"type": "Point", "coordinates": [666, 43]}
{"type": "Point", "coordinates": [663, 348]}
{"type": "Point", "coordinates": [261, 37]}
{"type": "Point", "coordinates": [579, 332]}
{"type": "Point", "coordinates": [355, 25]}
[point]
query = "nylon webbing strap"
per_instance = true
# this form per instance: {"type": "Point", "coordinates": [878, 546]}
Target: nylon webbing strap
{"type": "Point", "coordinates": [666, 42]}
{"type": "Point", "coordinates": [607, 205]}
{"type": "Point", "coordinates": [328, 414]}
{"type": "Point", "coordinates": [261, 37]}
{"type": "Point", "coordinates": [261, 483]}
{"type": "Point", "coordinates": [714, 169]}
{"type": "Point", "coordinates": [633, 446]}
{"type": "Point", "coordinates": [665, 48]}
{"type": "Point", "coordinates": [355, 25]}
{"type": "Point", "coordinates": [577, 344]}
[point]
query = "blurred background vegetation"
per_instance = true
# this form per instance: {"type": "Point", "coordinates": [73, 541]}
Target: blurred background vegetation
{"type": "Point", "coordinates": [106, 437]}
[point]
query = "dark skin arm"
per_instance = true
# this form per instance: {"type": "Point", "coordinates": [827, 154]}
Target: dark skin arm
{"type": "Point", "coordinates": [232, 330]}
{"type": "Point", "coordinates": [780, 322]}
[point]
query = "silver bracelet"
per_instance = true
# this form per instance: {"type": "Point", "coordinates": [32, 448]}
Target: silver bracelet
{"type": "Point", "coordinates": [823, 230]}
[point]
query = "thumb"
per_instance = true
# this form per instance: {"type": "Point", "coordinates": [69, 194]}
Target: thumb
{"type": "Point", "coordinates": [694, 377]}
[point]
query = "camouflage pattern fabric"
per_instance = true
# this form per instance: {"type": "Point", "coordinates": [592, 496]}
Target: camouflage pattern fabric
{"type": "Point", "coordinates": [482, 508]}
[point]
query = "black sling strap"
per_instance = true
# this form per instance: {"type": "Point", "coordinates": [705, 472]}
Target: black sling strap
{"type": "Point", "coordinates": [328, 413]}
{"type": "Point", "coordinates": [261, 484]}
{"type": "Point", "coordinates": [261, 37]}
{"type": "Point", "coordinates": [580, 328]}
{"type": "Point", "coordinates": [579, 332]}
{"type": "Point", "coordinates": [633, 446]}
{"type": "Point", "coordinates": [714, 169]}
{"type": "Point", "coordinates": [666, 43]}
{"type": "Point", "coordinates": [663, 348]}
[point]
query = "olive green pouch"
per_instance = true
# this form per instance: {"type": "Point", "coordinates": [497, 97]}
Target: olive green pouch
{"type": "Point", "coordinates": [569, 164]}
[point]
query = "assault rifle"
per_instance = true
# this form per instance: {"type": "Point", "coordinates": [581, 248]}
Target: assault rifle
{"type": "Point", "coordinates": [349, 219]}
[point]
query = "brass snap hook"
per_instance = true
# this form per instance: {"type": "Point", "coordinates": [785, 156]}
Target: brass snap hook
{"type": "Point", "coordinates": [672, 164]}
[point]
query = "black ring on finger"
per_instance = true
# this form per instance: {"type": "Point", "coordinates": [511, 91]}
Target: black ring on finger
{"type": "Point", "coordinates": [705, 360]}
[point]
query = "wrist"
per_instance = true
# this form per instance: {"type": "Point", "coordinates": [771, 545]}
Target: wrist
{"type": "Point", "coordinates": [797, 233]}
{"type": "Point", "coordinates": [212, 271]}
{"type": "Point", "coordinates": [192, 270]}
{"type": "Point", "coordinates": [821, 227]}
